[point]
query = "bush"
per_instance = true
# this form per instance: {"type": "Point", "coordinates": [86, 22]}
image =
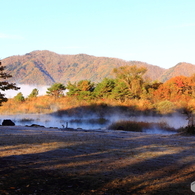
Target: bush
{"type": "Point", "coordinates": [138, 126]}
{"type": "Point", "coordinates": [19, 97]}
{"type": "Point", "coordinates": [189, 130]}
{"type": "Point", "coordinates": [129, 126]}
{"type": "Point", "coordinates": [165, 107]}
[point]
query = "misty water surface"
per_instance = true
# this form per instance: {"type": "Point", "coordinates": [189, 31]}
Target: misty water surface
{"type": "Point", "coordinates": [94, 122]}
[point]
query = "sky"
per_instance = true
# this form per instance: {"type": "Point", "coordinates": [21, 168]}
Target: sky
{"type": "Point", "coordinates": [158, 32]}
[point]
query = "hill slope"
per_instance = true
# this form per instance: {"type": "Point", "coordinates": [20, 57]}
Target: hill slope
{"type": "Point", "coordinates": [45, 68]}
{"type": "Point", "coordinates": [182, 68]}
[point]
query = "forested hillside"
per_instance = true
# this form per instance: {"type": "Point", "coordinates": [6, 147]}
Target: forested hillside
{"type": "Point", "coordinates": [46, 68]}
{"type": "Point", "coordinates": [181, 69]}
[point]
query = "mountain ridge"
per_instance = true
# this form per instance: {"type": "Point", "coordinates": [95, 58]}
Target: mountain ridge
{"type": "Point", "coordinates": [43, 67]}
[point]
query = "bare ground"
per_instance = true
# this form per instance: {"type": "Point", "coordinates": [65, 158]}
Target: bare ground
{"type": "Point", "coordinates": [42, 161]}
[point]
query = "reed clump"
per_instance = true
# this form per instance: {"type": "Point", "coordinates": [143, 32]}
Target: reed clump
{"type": "Point", "coordinates": [129, 125]}
{"type": "Point", "coordinates": [138, 126]}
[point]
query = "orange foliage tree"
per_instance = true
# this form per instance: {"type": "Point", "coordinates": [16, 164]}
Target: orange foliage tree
{"type": "Point", "coordinates": [176, 88]}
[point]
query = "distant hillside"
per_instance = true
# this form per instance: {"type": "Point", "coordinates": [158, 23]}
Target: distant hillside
{"type": "Point", "coordinates": [45, 68]}
{"type": "Point", "coordinates": [182, 68]}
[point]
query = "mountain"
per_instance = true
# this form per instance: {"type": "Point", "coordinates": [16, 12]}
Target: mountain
{"type": "Point", "coordinates": [46, 67]}
{"type": "Point", "coordinates": [182, 68]}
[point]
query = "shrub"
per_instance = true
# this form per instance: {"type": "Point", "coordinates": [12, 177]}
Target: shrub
{"type": "Point", "coordinates": [34, 93]}
{"type": "Point", "coordinates": [165, 107]}
{"type": "Point", "coordinates": [19, 97]}
{"type": "Point", "coordinates": [129, 126]}
{"type": "Point", "coordinates": [138, 126]}
{"type": "Point", "coordinates": [189, 130]}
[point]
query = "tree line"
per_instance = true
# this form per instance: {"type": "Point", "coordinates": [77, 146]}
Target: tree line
{"type": "Point", "coordinates": [128, 83]}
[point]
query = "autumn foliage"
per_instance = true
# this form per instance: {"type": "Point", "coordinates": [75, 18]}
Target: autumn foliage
{"type": "Point", "coordinates": [128, 88]}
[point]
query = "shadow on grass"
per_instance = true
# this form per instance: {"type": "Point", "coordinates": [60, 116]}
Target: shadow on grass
{"type": "Point", "coordinates": [103, 110]}
{"type": "Point", "coordinates": [86, 163]}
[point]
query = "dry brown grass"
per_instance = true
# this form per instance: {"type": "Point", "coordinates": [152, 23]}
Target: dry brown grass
{"type": "Point", "coordinates": [52, 161]}
{"type": "Point", "coordinates": [48, 104]}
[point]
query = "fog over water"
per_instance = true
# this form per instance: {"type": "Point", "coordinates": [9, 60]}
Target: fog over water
{"type": "Point", "coordinates": [94, 122]}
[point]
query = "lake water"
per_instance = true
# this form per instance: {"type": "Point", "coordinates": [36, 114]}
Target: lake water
{"type": "Point", "coordinates": [93, 122]}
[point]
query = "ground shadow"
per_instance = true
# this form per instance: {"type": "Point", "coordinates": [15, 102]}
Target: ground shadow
{"type": "Point", "coordinates": [97, 163]}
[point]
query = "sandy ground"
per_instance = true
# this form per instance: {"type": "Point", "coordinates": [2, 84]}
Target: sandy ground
{"type": "Point", "coordinates": [94, 162]}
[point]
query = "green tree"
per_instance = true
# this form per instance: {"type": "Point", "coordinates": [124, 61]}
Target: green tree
{"type": "Point", "coordinates": [4, 85]}
{"type": "Point", "coordinates": [72, 89]}
{"type": "Point", "coordinates": [121, 91]}
{"type": "Point", "coordinates": [85, 85]}
{"type": "Point", "coordinates": [34, 93]}
{"type": "Point", "coordinates": [56, 90]}
{"type": "Point", "coordinates": [82, 90]}
{"type": "Point", "coordinates": [104, 88]}
{"type": "Point", "coordinates": [19, 97]}
{"type": "Point", "coordinates": [132, 76]}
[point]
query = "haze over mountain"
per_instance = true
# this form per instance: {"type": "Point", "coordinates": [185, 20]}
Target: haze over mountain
{"type": "Point", "coordinates": [46, 67]}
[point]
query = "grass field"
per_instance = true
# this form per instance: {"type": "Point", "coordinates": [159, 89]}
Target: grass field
{"type": "Point", "coordinates": [83, 162]}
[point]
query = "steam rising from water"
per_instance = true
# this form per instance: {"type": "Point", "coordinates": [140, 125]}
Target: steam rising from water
{"type": "Point", "coordinates": [95, 122]}
{"type": "Point", "coordinates": [176, 121]}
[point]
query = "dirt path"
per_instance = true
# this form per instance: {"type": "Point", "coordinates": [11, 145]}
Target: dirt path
{"type": "Point", "coordinates": [51, 161]}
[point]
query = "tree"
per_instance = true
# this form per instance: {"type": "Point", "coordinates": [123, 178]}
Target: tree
{"type": "Point", "coordinates": [121, 91]}
{"type": "Point", "coordinates": [4, 85]}
{"type": "Point", "coordinates": [19, 97]}
{"type": "Point", "coordinates": [150, 88]}
{"type": "Point", "coordinates": [56, 90]}
{"type": "Point", "coordinates": [72, 89]}
{"type": "Point", "coordinates": [82, 90]}
{"type": "Point", "coordinates": [132, 76]}
{"type": "Point", "coordinates": [192, 85]}
{"type": "Point", "coordinates": [174, 89]}
{"type": "Point", "coordinates": [34, 93]}
{"type": "Point", "coordinates": [104, 88]}
{"type": "Point", "coordinates": [85, 85]}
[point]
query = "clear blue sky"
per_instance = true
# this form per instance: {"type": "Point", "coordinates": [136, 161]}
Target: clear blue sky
{"type": "Point", "coordinates": [159, 32]}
